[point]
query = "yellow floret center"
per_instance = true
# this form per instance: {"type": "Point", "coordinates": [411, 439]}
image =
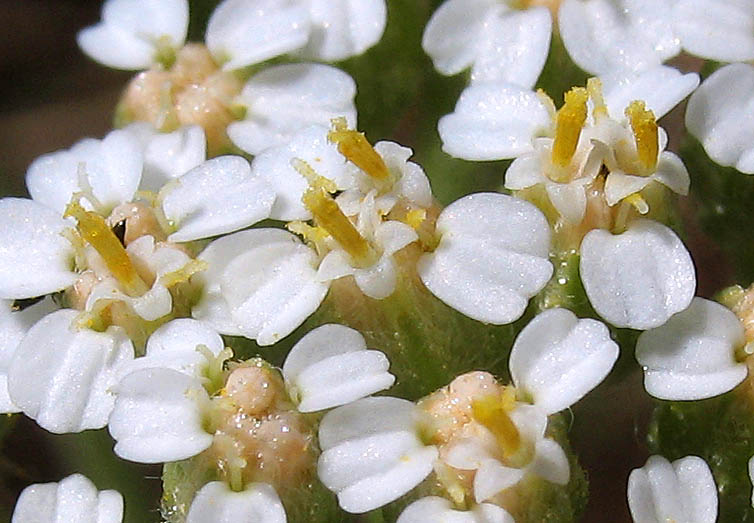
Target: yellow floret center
{"type": "Point", "coordinates": [492, 412]}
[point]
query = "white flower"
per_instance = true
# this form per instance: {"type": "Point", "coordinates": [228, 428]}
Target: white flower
{"type": "Point", "coordinates": [720, 114]}
{"type": "Point", "coordinates": [14, 324]}
{"type": "Point", "coordinates": [499, 42]}
{"type": "Point", "coordinates": [692, 356]}
{"type": "Point", "coordinates": [492, 257]}
{"type": "Point", "coordinates": [433, 508]}
{"type": "Point", "coordinates": [163, 409]}
{"type": "Point", "coordinates": [75, 498]}
{"type": "Point", "coordinates": [682, 491]}
{"type": "Point", "coordinates": [603, 36]}
{"type": "Point", "coordinates": [639, 278]}
{"type": "Point", "coordinates": [723, 34]}
{"type": "Point", "coordinates": [281, 100]}
{"type": "Point", "coordinates": [216, 503]}
{"type": "Point", "coordinates": [137, 35]}
{"type": "Point", "coordinates": [63, 377]}
{"type": "Point", "coordinates": [372, 452]}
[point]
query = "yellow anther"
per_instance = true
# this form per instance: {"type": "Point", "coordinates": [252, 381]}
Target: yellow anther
{"type": "Point", "coordinates": [638, 203]}
{"type": "Point", "coordinates": [354, 146]}
{"type": "Point", "coordinates": [94, 230]}
{"type": "Point", "coordinates": [569, 122]}
{"type": "Point", "coordinates": [415, 218]}
{"type": "Point", "coordinates": [164, 53]}
{"type": "Point", "coordinates": [594, 88]}
{"type": "Point", "coordinates": [328, 216]}
{"type": "Point", "coordinates": [315, 180]}
{"type": "Point", "coordinates": [184, 273]}
{"type": "Point", "coordinates": [492, 412]}
{"type": "Point", "coordinates": [644, 125]}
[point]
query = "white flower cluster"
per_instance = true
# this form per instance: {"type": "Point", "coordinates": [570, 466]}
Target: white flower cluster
{"type": "Point", "coordinates": [137, 252]}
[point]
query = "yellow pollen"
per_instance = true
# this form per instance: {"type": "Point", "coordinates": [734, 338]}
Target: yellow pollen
{"type": "Point", "coordinates": [644, 125]}
{"type": "Point", "coordinates": [569, 122]}
{"type": "Point", "coordinates": [94, 230]}
{"type": "Point", "coordinates": [492, 412]}
{"type": "Point", "coordinates": [415, 218]}
{"type": "Point", "coordinates": [354, 146]}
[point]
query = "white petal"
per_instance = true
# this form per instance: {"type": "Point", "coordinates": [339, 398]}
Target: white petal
{"type": "Point", "coordinates": [284, 99]}
{"type": "Point", "coordinates": [274, 166]}
{"type": "Point", "coordinates": [661, 87]}
{"type": "Point", "coordinates": [344, 28]}
{"type": "Point", "coordinates": [637, 279]}
{"type": "Point", "coordinates": [569, 199]}
{"type": "Point", "coordinates": [558, 358]}
{"type": "Point", "coordinates": [170, 155]}
{"type": "Point", "coordinates": [75, 498]}
{"type": "Point", "coordinates": [530, 420]}
{"type": "Point", "coordinates": [751, 477]}
{"type": "Point", "coordinates": [330, 366]}
{"type": "Point", "coordinates": [620, 185]}
{"type": "Point", "coordinates": [372, 471]}
{"type": "Point", "coordinates": [493, 121]}
{"type": "Point", "coordinates": [53, 178]}
{"type": "Point", "coordinates": [13, 327]}
{"type": "Point", "coordinates": [217, 197]}
{"type": "Point", "coordinates": [467, 453]}
{"type": "Point", "coordinates": [672, 173]}
{"type": "Point", "coordinates": [217, 503]}
{"type": "Point", "coordinates": [63, 378]}
{"type": "Point", "coordinates": [379, 280]}
{"type": "Point", "coordinates": [35, 259]}
{"type": "Point", "coordinates": [550, 462]}
{"type": "Point", "coordinates": [493, 477]}
{"type": "Point", "coordinates": [513, 46]}
{"type": "Point", "coordinates": [525, 171]}
{"type": "Point", "coordinates": [127, 36]}
{"type": "Point", "coordinates": [433, 508]}
{"type": "Point", "coordinates": [492, 257]}
{"type": "Point", "coordinates": [725, 33]}
{"type": "Point", "coordinates": [685, 491]}
{"type": "Point", "coordinates": [692, 356]}
{"type": "Point", "coordinates": [158, 416]}
{"type": "Point", "coordinates": [335, 264]}
{"type": "Point", "coordinates": [604, 35]}
{"type": "Point", "coordinates": [412, 182]}
{"type": "Point", "coordinates": [241, 33]}
{"type": "Point", "coordinates": [272, 288]}
{"type": "Point", "coordinates": [720, 114]}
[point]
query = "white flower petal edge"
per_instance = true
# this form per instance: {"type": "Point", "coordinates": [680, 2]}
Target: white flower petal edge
{"type": "Point", "coordinates": [13, 327]}
{"type": "Point", "coordinates": [241, 33]}
{"type": "Point", "coordinates": [692, 356]}
{"type": "Point", "coordinates": [682, 491]}
{"type": "Point", "coordinates": [63, 378]}
{"type": "Point", "coordinates": [219, 196]}
{"type": "Point", "coordinates": [158, 416]}
{"type": "Point", "coordinates": [372, 453]}
{"type": "Point", "coordinates": [493, 121]}
{"type": "Point", "coordinates": [35, 258]}
{"type": "Point", "coordinates": [433, 508]}
{"type": "Point", "coordinates": [74, 498]}
{"type": "Point", "coordinates": [558, 358]}
{"type": "Point", "coordinates": [132, 30]}
{"type": "Point", "coordinates": [723, 34]}
{"type": "Point", "coordinates": [344, 28]}
{"type": "Point", "coordinates": [637, 279]}
{"type": "Point", "coordinates": [331, 366]}
{"type": "Point", "coordinates": [216, 503]}
{"type": "Point", "coordinates": [751, 477]}
{"type": "Point", "coordinates": [284, 99]}
{"type": "Point", "coordinates": [720, 114]}
{"type": "Point", "coordinates": [492, 257]}
{"type": "Point", "coordinates": [603, 35]}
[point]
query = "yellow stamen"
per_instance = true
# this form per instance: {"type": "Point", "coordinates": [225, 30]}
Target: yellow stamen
{"type": "Point", "coordinates": [415, 218]}
{"type": "Point", "coordinates": [639, 203]}
{"type": "Point", "coordinates": [184, 273]}
{"type": "Point", "coordinates": [492, 412]}
{"type": "Point", "coordinates": [315, 180]}
{"type": "Point", "coordinates": [94, 230]}
{"type": "Point", "coordinates": [570, 120]}
{"type": "Point", "coordinates": [644, 125]}
{"type": "Point", "coordinates": [328, 215]}
{"type": "Point", "coordinates": [354, 146]}
{"type": "Point", "coordinates": [594, 88]}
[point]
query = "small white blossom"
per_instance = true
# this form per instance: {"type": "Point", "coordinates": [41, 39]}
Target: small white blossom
{"type": "Point", "coordinates": [75, 498]}
{"type": "Point", "coordinates": [661, 491]}
{"type": "Point", "coordinates": [216, 503]}
{"type": "Point", "coordinates": [433, 508]}
{"type": "Point", "coordinates": [692, 356]}
{"type": "Point", "coordinates": [720, 114]}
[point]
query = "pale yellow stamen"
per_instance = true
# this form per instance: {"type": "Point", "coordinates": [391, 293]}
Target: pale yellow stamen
{"type": "Point", "coordinates": [184, 273]}
{"type": "Point", "coordinates": [492, 412]}
{"type": "Point", "coordinates": [355, 147]}
{"type": "Point", "coordinates": [315, 180]}
{"type": "Point", "coordinates": [594, 88]}
{"type": "Point", "coordinates": [94, 230]}
{"type": "Point", "coordinates": [644, 125]}
{"type": "Point", "coordinates": [569, 122]}
{"type": "Point", "coordinates": [639, 203]}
